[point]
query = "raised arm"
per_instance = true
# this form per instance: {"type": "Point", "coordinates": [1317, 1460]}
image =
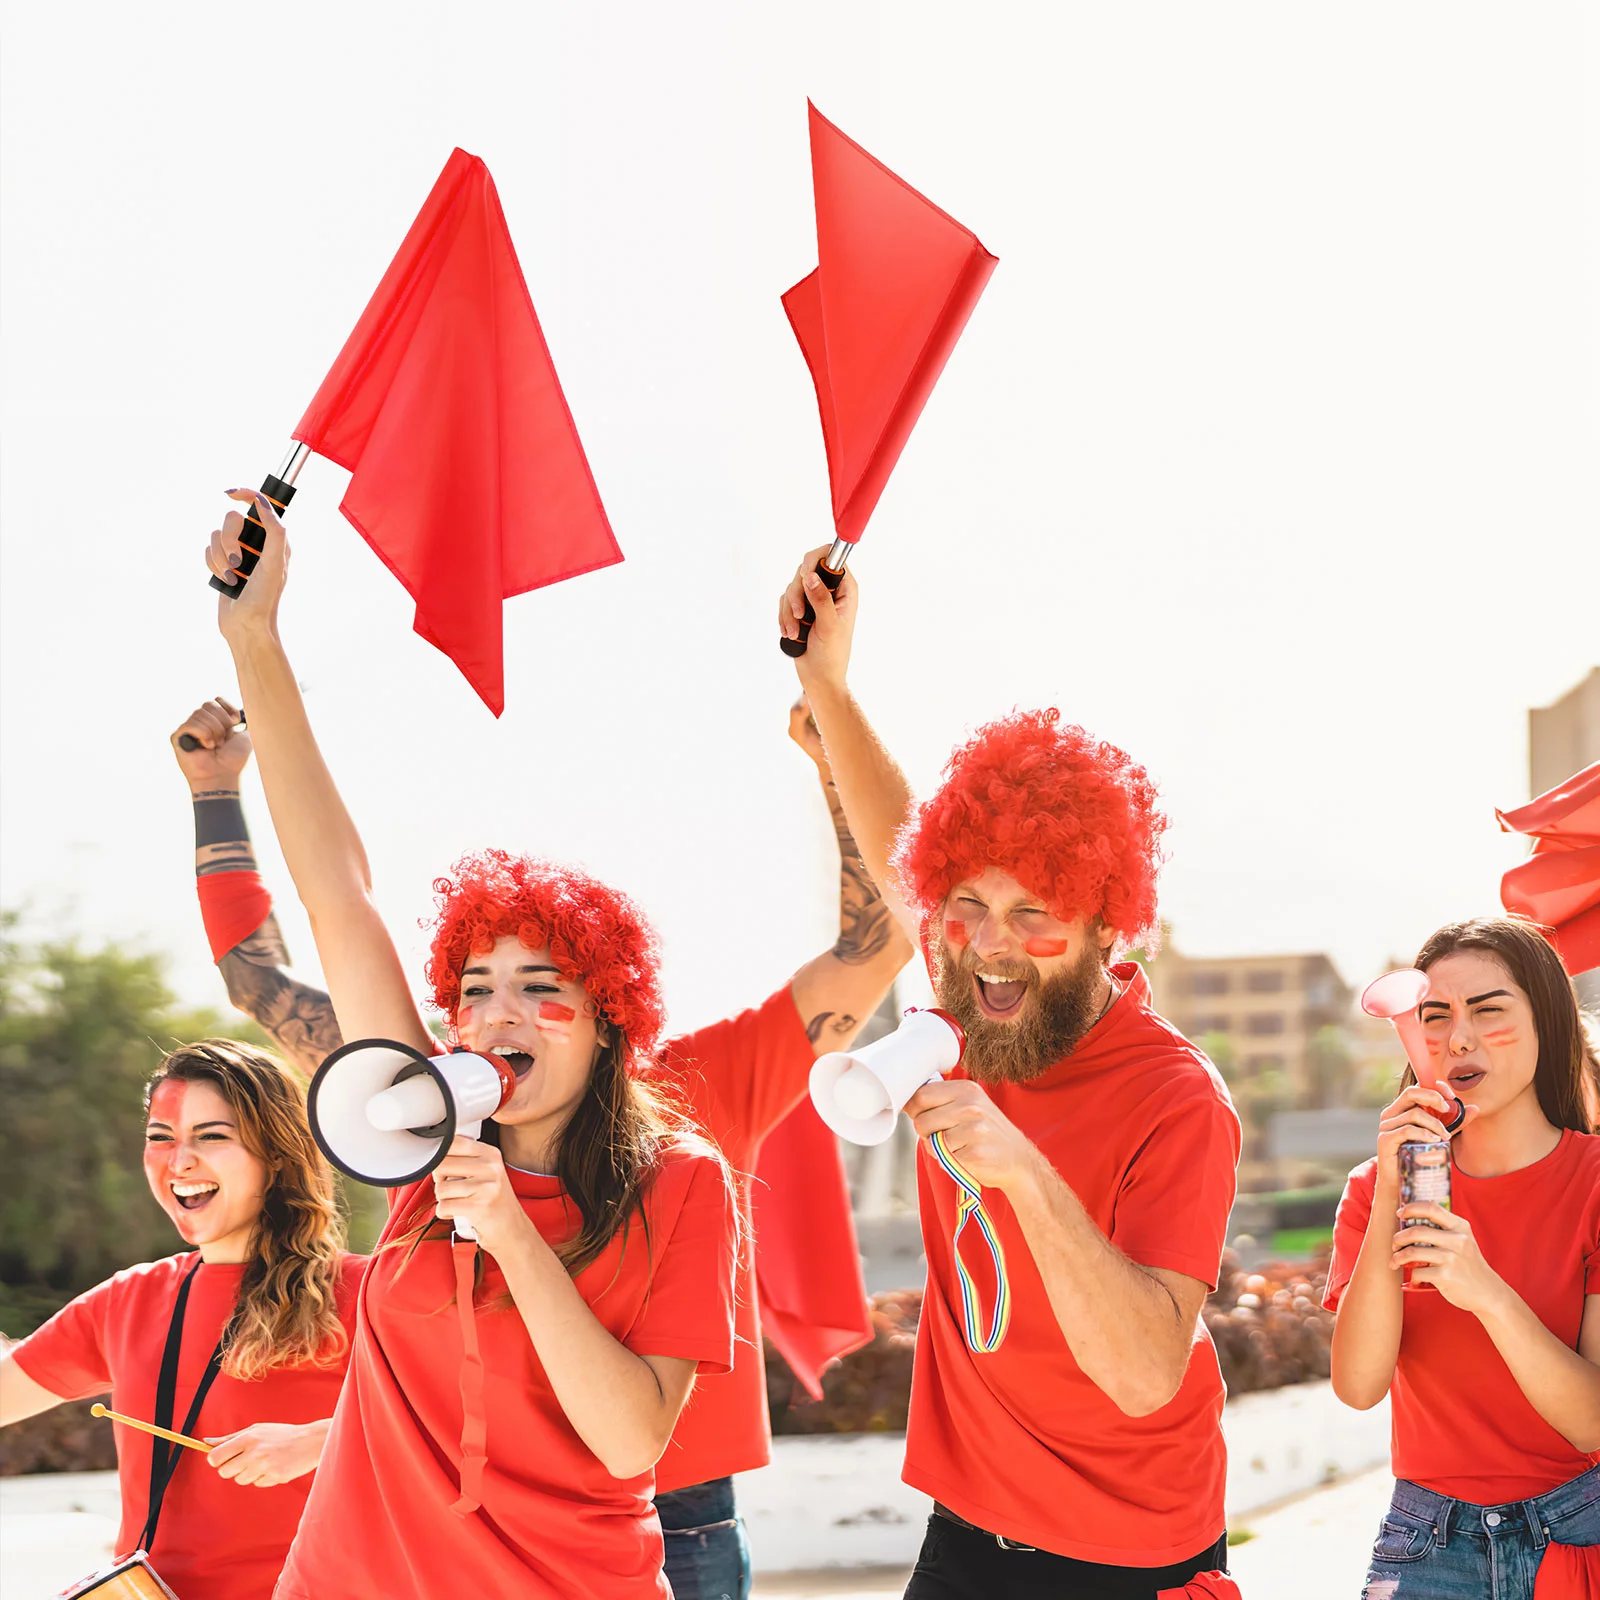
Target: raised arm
{"type": "Point", "coordinates": [254, 966]}
{"type": "Point", "coordinates": [371, 998]}
{"type": "Point", "coordinates": [872, 788]}
{"type": "Point", "coordinates": [838, 990]}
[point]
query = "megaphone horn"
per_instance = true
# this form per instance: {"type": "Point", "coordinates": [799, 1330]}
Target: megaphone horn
{"type": "Point", "coordinates": [859, 1093]}
{"type": "Point", "coordinates": [1397, 995]}
{"type": "Point", "coordinates": [384, 1113]}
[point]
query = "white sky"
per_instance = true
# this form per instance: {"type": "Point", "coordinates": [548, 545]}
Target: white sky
{"type": "Point", "coordinates": [1270, 453]}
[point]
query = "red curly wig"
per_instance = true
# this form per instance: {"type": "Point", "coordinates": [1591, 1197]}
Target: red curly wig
{"type": "Point", "coordinates": [594, 934]}
{"type": "Point", "coordinates": [1071, 818]}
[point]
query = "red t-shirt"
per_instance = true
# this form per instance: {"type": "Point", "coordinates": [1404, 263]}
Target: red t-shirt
{"type": "Point", "coordinates": [1461, 1426]}
{"type": "Point", "coordinates": [739, 1078]}
{"type": "Point", "coordinates": [553, 1522]}
{"type": "Point", "coordinates": [216, 1540]}
{"type": "Point", "coordinates": [1021, 1442]}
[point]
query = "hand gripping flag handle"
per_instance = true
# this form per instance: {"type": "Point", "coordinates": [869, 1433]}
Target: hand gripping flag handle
{"type": "Point", "coordinates": [831, 570]}
{"type": "Point", "coordinates": [278, 487]}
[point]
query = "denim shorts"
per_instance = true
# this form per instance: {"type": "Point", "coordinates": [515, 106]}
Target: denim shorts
{"type": "Point", "coordinates": [708, 1556]}
{"type": "Point", "coordinates": [1431, 1548]}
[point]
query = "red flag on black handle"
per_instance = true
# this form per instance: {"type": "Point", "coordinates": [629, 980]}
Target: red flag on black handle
{"type": "Point", "coordinates": [895, 283]}
{"type": "Point", "coordinates": [469, 479]}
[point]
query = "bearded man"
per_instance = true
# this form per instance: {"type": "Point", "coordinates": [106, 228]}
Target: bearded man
{"type": "Point", "coordinates": [1083, 1457]}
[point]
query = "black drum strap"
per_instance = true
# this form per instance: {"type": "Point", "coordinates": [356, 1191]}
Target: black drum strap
{"type": "Point", "coordinates": [164, 1455]}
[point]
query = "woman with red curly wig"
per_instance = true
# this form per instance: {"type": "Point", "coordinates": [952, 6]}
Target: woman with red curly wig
{"type": "Point", "coordinates": [607, 1226]}
{"type": "Point", "coordinates": [1080, 1453]}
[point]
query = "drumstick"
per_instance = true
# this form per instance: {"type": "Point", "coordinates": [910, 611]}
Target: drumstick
{"type": "Point", "coordinates": [98, 1410]}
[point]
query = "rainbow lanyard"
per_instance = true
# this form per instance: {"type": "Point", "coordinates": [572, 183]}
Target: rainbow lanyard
{"type": "Point", "coordinates": [972, 1209]}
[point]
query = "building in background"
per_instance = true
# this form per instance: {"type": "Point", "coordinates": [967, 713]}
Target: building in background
{"type": "Point", "coordinates": [1563, 739]}
{"type": "Point", "coordinates": [1300, 1061]}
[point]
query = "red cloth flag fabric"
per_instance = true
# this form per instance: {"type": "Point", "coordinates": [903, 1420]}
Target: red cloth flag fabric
{"type": "Point", "coordinates": [469, 478]}
{"type": "Point", "coordinates": [896, 281]}
{"type": "Point", "coordinates": [1559, 885]}
{"type": "Point", "coordinates": [808, 1265]}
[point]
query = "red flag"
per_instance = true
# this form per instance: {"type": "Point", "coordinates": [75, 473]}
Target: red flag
{"type": "Point", "coordinates": [896, 280]}
{"type": "Point", "coordinates": [808, 1265]}
{"type": "Point", "coordinates": [469, 479]}
{"type": "Point", "coordinates": [1559, 885]}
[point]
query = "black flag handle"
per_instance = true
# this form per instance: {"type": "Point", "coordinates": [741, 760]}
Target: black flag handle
{"type": "Point", "coordinates": [831, 570]}
{"type": "Point", "coordinates": [187, 741]}
{"type": "Point", "coordinates": [278, 487]}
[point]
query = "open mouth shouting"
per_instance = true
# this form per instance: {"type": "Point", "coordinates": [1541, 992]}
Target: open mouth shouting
{"type": "Point", "coordinates": [515, 1057]}
{"type": "Point", "coordinates": [999, 997]}
{"type": "Point", "coordinates": [194, 1196]}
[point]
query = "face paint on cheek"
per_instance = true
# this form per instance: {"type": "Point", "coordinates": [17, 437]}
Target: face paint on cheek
{"type": "Point", "coordinates": [1042, 949]}
{"type": "Point", "coordinates": [956, 935]}
{"type": "Point", "coordinates": [1501, 1036]}
{"type": "Point", "coordinates": [554, 1011]}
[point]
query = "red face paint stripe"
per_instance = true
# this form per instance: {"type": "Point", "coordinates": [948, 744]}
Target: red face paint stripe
{"type": "Point", "coordinates": [956, 935]}
{"type": "Point", "coordinates": [166, 1104]}
{"type": "Point", "coordinates": [554, 1011]}
{"type": "Point", "coordinates": [1045, 948]}
{"type": "Point", "coordinates": [1500, 1036]}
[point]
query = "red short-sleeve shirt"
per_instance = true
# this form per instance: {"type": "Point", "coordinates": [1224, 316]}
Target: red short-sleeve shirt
{"type": "Point", "coordinates": [1461, 1425]}
{"type": "Point", "coordinates": [739, 1078]}
{"type": "Point", "coordinates": [1020, 1441]}
{"type": "Point", "coordinates": [553, 1521]}
{"type": "Point", "coordinates": [216, 1540]}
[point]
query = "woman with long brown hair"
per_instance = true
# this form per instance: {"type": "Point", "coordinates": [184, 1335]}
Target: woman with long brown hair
{"type": "Point", "coordinates": [1491, 1351]}
{"type": "Point", "coordinates": [243, 1339]}
{"type": "Point", "coordinates": [507, 1403]}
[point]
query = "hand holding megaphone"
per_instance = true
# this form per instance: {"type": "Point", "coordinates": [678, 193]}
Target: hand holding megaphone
{"type": "Point", "coordinates": [385, 1114]}
{"type": "Point", "coordinates": [859, 1093]}
{"type": "Point", "coordinates": [1397, 996]}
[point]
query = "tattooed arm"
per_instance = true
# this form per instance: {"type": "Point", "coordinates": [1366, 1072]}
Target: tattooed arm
{"type": "Point", "coordinates": [837, 991]}
{"type": "Point", "coordinates": [299, 1018]}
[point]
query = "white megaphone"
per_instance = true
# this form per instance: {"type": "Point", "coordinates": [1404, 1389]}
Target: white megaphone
{"type": "Point", "coordinates": [859, 1093]}
{"type": "Point", "coordinates": [385, 1114]}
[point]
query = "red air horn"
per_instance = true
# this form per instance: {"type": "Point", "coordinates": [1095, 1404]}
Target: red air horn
{"type": "Point", "coordinates": [1397, 996]}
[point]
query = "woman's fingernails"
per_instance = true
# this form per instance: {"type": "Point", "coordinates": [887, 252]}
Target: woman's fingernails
{"type": "Point", "coordinates": [235, 559]}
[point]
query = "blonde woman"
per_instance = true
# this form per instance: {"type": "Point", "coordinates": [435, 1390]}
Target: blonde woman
{"type": "Point", "coordinates": [241, 1339]}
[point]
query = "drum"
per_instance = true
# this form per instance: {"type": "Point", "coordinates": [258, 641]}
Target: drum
{"type": "Point", "coordinates": [132, 1579]}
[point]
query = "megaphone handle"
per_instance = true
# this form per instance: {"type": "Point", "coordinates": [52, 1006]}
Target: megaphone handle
{"type": "Point", "coordinates": [278, 487]}
{"type": "Point", "coordinates": [831, 570]}
{"type": "Point", "coordinates": [459, 1225]}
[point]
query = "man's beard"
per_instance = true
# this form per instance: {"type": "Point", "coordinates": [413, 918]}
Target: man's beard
{"type": "Point", "coordinates": [1052, 1019]}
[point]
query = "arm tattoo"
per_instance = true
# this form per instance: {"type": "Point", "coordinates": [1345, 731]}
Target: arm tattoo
{"type": "Point", "coordinates": [865, 922]}
{"type": "Point", "coordinates": [217, 811]}
{"type": "Point", "coordinates": [831, 1021]}
{"type": "Point", "coordinates": [299, 1018]}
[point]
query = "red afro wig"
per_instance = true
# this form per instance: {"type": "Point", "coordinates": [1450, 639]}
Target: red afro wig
{"type": "Point", "coordinates": [1072, 819]}
{"type": "Point", "coordinates": [594, 934]}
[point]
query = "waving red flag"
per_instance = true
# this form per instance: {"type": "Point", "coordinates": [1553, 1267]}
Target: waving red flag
{"type": "Point", "coordinates": [469, 479]}
{"type": "Point", "coordinates": [896, 281]}
{"type": "Point", "coordinates": [808, 1263]}
{"type": "Point", "coordinates": [1559, 885]}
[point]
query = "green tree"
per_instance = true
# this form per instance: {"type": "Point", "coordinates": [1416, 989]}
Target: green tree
{"type": "Point", "coordinates": [1219, 1047]}
{"type": "Point", "coordinates": [80, 1033]}
{"type": "Point", "coordinates": [1332, 1064]}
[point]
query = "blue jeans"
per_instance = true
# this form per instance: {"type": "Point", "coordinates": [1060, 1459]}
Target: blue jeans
{"type": "Point", "coordinates": [1431, 1548]}
{"type": "Point", "coordinates": [708, 1557]}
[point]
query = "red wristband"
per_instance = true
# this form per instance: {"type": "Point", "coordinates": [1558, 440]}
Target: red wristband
{"type": "Point", "coordinates": [232, 905]}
